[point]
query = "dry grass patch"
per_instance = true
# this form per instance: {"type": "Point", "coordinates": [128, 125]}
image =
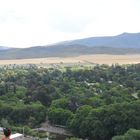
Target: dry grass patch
{"type": "Point", "coordinates": [99, 59]}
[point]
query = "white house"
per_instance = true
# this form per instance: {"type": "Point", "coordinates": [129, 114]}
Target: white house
{"type": "Point", "coordinates": [1, 129]}
{"type": "Point", "coordinates": [17, 136]}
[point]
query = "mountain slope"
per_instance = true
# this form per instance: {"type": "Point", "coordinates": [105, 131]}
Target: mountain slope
{"type": "Point", "coordinates": [125, 40]}
{"type": "Point", "coordinates": [122, 44]}
{"type": "Point", "coordinates": [3, 48]}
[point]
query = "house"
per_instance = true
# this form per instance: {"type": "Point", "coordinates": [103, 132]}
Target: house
{"type": "Point", "coordinates": [1, 129]}
{"type": "Point", "coordinates": [17, 136]}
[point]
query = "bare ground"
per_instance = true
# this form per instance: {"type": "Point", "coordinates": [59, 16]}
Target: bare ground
{"type": "Point", "coordinates": [99, 59]}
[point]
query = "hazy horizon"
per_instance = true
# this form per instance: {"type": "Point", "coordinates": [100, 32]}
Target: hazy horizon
{"type": "Point", "coordinates": [42, 22]}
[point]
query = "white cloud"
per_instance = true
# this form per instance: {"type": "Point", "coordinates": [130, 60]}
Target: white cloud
{"type": "Point", "coordinates": [25, 23]}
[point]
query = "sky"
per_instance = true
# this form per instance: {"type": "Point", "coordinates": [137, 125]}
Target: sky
{"type": "Point", "coordinates": [26, 23]}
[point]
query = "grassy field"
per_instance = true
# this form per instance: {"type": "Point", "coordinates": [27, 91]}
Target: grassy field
{"type": "Point", "coordinates": [79, 60]}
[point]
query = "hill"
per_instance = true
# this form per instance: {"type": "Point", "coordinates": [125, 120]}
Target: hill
{"type": "Point", "coordinates": [3, 48]}
{"type": "Point", "coordinates": [124, 40]}
{"type": "Point", "coordinates": [126, 43]}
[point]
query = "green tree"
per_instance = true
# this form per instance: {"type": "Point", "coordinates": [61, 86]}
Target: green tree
{"type": "Point", "coordinates": [59, 116]}
{"type": "Point", "coordinates": [73, 138]}
{"type": "Point", "coordinates": [131, 134]}
{"type": "Point", "coordinates": [79, 117]}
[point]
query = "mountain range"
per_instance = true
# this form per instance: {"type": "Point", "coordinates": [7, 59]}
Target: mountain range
{"type": "Point", "coordinates": [4, 48]}
{"type": "Point", "coordinates": [126, 43]}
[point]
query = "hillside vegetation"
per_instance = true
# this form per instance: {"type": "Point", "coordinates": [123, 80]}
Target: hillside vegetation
{"type": "Point", "coordinates": [97, 103]}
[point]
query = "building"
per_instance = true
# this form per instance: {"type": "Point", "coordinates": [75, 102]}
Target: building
{"type": "Point", "coordinates": [17, 136]}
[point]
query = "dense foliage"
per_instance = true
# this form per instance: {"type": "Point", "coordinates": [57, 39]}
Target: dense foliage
{"type": "Point", "coordinates": [95, 103]}
{"type": "Point", "coordinates": [131, 134]}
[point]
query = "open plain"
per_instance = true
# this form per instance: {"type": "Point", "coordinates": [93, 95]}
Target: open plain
{"type": "Point", "coordinates": [91, 59]}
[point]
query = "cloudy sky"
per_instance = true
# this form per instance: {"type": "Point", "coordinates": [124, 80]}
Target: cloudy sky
{"type": "Point", "coordinates": [25, 23]}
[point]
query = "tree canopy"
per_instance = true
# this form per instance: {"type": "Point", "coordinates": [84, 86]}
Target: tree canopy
{"type": "Point", "coordinates": [94, 103]}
